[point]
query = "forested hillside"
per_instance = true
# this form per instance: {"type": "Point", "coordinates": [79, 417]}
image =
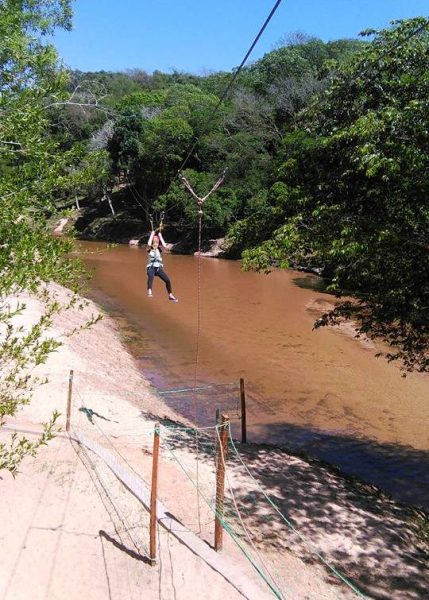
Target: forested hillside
{"type": "Point", "coordinates": [326, 146]}
{"type": "Point", "coordinates": [148, 124]}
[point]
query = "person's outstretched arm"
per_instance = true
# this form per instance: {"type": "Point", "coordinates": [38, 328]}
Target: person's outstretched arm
{"type": "Point", "coordinates": [150, 240]}
{"type": "Point", "coordinates": [161, 239]}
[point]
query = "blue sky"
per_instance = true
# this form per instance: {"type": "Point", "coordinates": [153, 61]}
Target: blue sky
{"type": "Point", "coordinates": [208, 35]}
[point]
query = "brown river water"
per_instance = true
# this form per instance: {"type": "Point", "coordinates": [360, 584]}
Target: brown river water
{"type": "Point", "coordinates": [320, 392]}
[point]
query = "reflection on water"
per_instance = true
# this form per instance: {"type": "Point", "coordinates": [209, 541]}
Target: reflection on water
{"type": "Point", "coordinates": [322, 392]}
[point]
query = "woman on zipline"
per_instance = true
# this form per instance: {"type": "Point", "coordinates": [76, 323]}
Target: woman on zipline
{"type": "Point", "coordinates": [155, 266]}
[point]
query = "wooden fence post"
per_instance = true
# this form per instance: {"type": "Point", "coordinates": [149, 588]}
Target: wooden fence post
{"type": "Point", "coordinates": [220, 481]}
{"type": "Point", "coordinates": [153, 494]}
{"type": "Point", "coordinates": [69, 399]}
{"type": "Point", "coordinates": [243, 412]}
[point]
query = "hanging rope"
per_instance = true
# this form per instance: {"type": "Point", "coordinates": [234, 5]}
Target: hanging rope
{"type": "Point", "coordinates": [197, 346]}
{"type": "Point", "coordinates": [200, 202]}
{"type": "Point", "coordinates": [161, 221]}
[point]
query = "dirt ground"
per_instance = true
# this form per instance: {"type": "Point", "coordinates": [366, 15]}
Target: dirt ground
{"type": "Point", "coordinates": [70, 528]}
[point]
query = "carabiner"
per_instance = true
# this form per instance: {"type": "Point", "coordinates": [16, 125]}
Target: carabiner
{"type": "Point", "coordinates": [161, 222]}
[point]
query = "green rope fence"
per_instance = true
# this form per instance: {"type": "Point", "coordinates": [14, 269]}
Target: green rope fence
{"type": "Point", "coordinates": [305, 541]}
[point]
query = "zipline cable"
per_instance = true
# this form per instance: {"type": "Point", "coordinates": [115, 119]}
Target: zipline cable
{"type": "Point", "coordinates": [230, 84]}
{"type": "Point", "coordinates": [226, 91]}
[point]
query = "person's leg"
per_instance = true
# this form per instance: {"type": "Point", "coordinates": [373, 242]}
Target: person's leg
{"type": "Point", "coordinates": [165, 278]}
{"type": "Point", "coordinates": [150, 276]}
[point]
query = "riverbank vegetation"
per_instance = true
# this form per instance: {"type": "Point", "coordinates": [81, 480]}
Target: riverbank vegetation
{"type": "Point", "coordinates": [326, 146]}
{"type": "Point", "coordinates": [37, 169]}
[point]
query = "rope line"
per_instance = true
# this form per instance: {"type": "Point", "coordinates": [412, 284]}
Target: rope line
{"type": "Point", "coordinates": [197, 349]}
{"type": "Point", "coordinates": [197, 389]}
{"type": "Point", "coordinates": [128, 527]}
{"type": "Point", "coordinates": [245, 529]}
{"type": "Point", "coordinates": [306, 542]}
{"type": "Point", "coordinates": [226, 526]}
{"type": "Point", "coordinates": [310, 547]}
{"type": "Point", "coordinates": [197, 486]}
{"type": "Point", "coordinates": [140, 490]}
{"type": "Point", "coordinates": [105, 435]}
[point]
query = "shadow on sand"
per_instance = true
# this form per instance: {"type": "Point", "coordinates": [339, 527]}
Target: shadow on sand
{"type": "Point", "coordinates": [379, 545]}
{"type": "Point", "coordinates": [401, 471]}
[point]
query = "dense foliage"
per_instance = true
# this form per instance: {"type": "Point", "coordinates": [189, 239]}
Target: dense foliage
{"type": "Point", "coordinates": [326, 146]}
{"type": "Point", "coordinates": [353, 183]}
{"type": "Point", "coordinates": [150, 122]}
{"type": "Point", "coordinates": [327, 151]}
{"type": "Point", "coordinates": [36, 170]}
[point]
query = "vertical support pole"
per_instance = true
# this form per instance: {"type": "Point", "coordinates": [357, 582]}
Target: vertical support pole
{"type": "Point", "coordinates": [243, 412]}
{"type": "Point", "coordinates": [153, 495]}
{"type": "Point", "coordinates": [69, 399]}
{"type": "Point", "coordinates": [220, 481]}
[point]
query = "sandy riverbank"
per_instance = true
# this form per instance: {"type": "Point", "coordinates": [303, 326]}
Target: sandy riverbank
{"type": "Point", "coordinates": [73, 528]}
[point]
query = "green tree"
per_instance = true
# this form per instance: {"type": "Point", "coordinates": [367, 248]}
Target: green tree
{"type": "Point", "coordinates": [34, 171]}
{"type": "Point", "coordinates": [156, 131]}
{"type": "Point", "coordinates": [359, 167]}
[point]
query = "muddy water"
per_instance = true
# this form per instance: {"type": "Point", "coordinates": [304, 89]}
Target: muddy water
{"type": "Point", "coordinates": [321, 392]}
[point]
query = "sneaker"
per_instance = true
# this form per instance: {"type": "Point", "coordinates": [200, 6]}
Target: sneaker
{"type": "Point", "coordinates": [149, 294]}
{"type": "Point", "coordinates": [172, 298]}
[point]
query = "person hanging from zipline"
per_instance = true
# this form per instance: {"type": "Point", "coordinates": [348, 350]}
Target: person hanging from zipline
{"type": "Point", "coordinates": [156, 242]}
{"type": "Point", "coordinates": [155, 265]}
